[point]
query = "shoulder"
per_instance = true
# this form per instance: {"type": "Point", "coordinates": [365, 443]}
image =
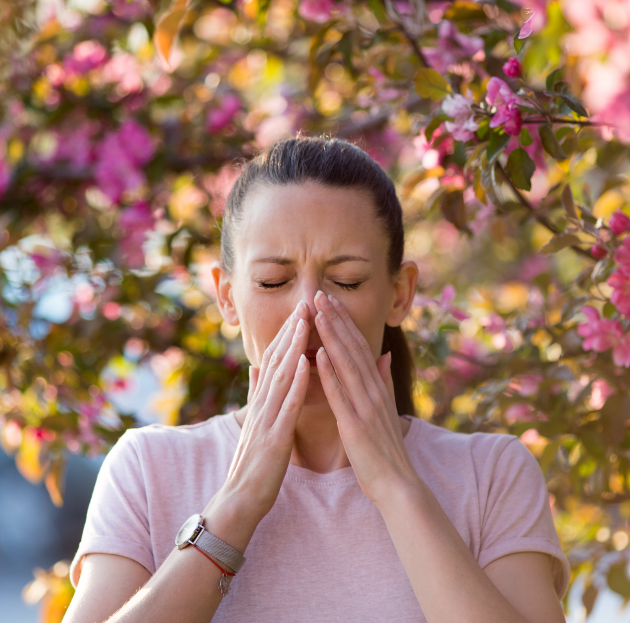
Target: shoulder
{"type": "Point", "coordinates": [480, 446]}
{"type": "Point", "coordinates": [159, 440]}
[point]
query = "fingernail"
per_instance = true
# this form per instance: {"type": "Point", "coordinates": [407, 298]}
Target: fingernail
{"type": "Point", "coordinates": [336, 304]}
{"type": "Point", "coordinates": [322, 319]}
{"type": "Point", "coordinates": [323, 300]}
{"type": "Point", "coordinates": [389, 356]}
{"type": "Point", "coordinates": [302, 363]}
{"type": "Point", "coordinates": [300, 327]}
{"type": "Point", "coordinates": [299, 310]}
{"type": "Point", "coordinates": [322, 352]}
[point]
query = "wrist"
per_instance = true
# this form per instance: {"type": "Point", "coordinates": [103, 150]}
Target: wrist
{"type": "Point", "coordinates": [227, 518]}
{"type": "Point", "coordinates": [399, 493]}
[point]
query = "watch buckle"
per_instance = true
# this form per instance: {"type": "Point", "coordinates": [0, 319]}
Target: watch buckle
{"type": "Point", "coordinates": [196, 536]}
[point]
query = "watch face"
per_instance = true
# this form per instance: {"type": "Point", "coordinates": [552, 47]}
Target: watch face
{"type": "Point", "coordinates": [187, 530]}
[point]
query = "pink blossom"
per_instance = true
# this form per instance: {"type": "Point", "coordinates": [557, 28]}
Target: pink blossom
{"type": "Point", "coordinates": [130, 9]}
{"type": "Point", "coordinates": [444, 302]}
{"type": "Point", "coordinates": [463, 125]}
{"type": "Point", "coordinates": [452, 48]}
{"type": "Point", "coordinates": [537, 16]}
{"type": "Point", "coordinates": [463, 367]}
{"type": "Point", "coordinates": [622, 255]}
{"type": "Point", "coordinates": [512, 68]}
{"type": "Point", "coordinates": [135, 221]}
{"type": "Point", "coordinates": [120, 156]}
{"type": "Point", "coordinates": [5, 176]}
{"type": "Point", "coordinates": [124, 70]}
{"type": "Point", "coordinates": [619, 223]}
{"type": "Point", "coordinates": [219, 117]}
{"type": "Point", "coordinates": [600, 392]}
{"type": "Point", "coordinates": [619, 281]}
{"type": "Point", "coordinates": [523, 412]}
{"type": "Point", "coordinates": [136, 140]}
{"type": "Point", "coordinates": [500, 95]}
{"type": "Point", "coordinates": [85, 57]}
{"type": "Point", "coordinates": [600, 333]}
{"type": "Point", "coordinates": [432, 153]}
{"type": "Point", "coordinates": [316, 10]}
{"type": "Point", "coordinates": [75, 146]}
{"type": "Point", "coordinates": [526, 384]}
{"type": "Point", "coordinates": [598, 252]}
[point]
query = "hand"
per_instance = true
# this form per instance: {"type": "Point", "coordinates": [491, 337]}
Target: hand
{"type": "Point", "coordinates": [275, 399]}
{"type": "Point", "coordinates": [360, 392]}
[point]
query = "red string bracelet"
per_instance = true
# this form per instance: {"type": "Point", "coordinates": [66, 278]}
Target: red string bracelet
{"type": "Point", "coordinates": [223, 571]}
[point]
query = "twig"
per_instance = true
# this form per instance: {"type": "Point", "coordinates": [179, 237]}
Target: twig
{"type": "Point", "coordinates": [541, 218]}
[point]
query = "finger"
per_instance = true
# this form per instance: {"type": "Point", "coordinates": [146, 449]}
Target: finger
{"type": "Point", "coordinates": [283, 377]}
{"type": "Point", "coordinates": [292, 404]}
{"type": "Point", "coordinates": [346, 366]}
{"type": "Point", "coordinates": [384, 366]}
{"type": "Point", "coordinates": [253, 380]}
{"type": "Point", "coordinates": [352, 328]}
{"type": "Point", "coordinates": [355, 344]}
{"type": "Point", "coordinates": [335, 393]}
{"type": "Point", "coordinates": [275, 351]}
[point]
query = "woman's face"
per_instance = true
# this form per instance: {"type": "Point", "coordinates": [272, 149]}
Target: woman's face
{"type": "Point", "coordinates": [295, 240]}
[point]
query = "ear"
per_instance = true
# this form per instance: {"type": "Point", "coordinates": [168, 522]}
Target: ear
{"type": "Point", "coordinates": [223, 289]}
{"type": "Point", "coordinates": [405, 290]}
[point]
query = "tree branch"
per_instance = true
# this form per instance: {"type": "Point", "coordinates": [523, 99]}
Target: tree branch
{"type": "Point", "coordinates": [541, 218]}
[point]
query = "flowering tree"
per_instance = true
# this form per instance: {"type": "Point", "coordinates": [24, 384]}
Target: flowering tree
{"type": "Point", "coordinates": [506, 127]}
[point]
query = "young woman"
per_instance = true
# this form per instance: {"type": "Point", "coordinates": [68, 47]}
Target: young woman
{"type": "Point", "coordinates": [346, 507]}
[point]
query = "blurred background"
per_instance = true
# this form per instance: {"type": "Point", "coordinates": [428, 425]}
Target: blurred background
{"type": "Point", "coordinates": [505, 126]}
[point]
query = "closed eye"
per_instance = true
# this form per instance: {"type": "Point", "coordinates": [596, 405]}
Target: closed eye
{"type": "Point", "coordinates": [348, 286]}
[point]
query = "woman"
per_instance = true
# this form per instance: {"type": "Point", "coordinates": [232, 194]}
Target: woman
{"type": "Point", "coordinates": [347, 508]}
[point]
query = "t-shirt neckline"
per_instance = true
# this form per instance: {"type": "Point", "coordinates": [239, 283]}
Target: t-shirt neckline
{"type": "Point", "coordinates": [344, 475]}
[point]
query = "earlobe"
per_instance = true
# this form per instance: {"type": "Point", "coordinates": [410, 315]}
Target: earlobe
{"type": "Point", "coordinates": [405, 290]}
{"type": "Point", "coordinates": [223, 290]}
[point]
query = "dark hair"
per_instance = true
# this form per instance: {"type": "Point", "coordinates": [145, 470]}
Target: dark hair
{"type": "Point", "coordinates": [336, 163]}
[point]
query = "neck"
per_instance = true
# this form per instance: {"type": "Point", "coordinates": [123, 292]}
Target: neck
{"type": "Point", "coordinates": [317, 446]}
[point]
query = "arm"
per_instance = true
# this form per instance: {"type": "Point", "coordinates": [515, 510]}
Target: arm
{"type": "Point", "coordinates": [448, 582]}
{"type": "Point", "coordinates": [517, 588]}
{"type": "Point", "coordinates": [185, 588]}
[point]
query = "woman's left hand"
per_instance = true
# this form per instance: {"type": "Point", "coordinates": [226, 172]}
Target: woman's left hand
{"type": "Point", "coordinates": [360, 391]}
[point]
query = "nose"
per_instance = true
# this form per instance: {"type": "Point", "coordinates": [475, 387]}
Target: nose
{"type": "Point", "coordinates": [307, 294]}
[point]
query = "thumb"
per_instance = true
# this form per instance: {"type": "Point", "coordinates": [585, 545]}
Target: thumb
{"type": "Point", "coordinates": [384, 367]}
{"type": "Point", "coordinates": [253, 381]}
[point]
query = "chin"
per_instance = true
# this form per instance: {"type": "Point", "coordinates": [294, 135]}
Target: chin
{"type": "Point", "coordinates": [315, 394]}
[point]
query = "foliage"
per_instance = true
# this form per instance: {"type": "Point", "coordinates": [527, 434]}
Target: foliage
{"type": "Point", "coordinates": [123, 125]}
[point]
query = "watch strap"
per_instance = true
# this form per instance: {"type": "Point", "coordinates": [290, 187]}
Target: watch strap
{"type": "Point", "coordinates": [214, 546]}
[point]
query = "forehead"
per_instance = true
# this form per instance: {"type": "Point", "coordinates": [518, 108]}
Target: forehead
{"type": "Point", "coordinates": [309, 218]}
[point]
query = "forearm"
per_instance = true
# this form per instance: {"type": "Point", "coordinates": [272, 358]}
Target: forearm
{"type": "Point", "coordinates": [448, 582]}
{"type": "Point", "coordinates": [186, 586]}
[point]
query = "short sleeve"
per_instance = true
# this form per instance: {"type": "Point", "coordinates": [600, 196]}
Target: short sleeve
{"type": "Point", "coordinates": [517, 516]}
{"type": "Point", "coordinates": [117, 516]}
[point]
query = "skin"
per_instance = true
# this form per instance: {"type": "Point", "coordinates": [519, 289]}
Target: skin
{"type": "Point", "coordinates": [329, 410]}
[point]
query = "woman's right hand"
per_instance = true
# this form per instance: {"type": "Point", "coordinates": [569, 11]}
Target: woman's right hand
{"type": "Point", "coordinates": [275, 399]}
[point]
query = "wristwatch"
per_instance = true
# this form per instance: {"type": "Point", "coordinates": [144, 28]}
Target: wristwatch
{"type": "Point", "coordinates": [193, 533]}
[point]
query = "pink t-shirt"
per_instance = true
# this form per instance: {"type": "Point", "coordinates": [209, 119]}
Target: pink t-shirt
{"type": "Point", "coordinates": [323, 553]}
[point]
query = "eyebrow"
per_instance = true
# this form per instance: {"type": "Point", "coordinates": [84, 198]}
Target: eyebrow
{"type": "Point", "coordinates": [283, 261]}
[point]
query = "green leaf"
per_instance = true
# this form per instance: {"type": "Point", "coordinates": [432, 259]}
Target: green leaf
{"type": "Point", "coordinates": [567, 201]}
{"type": "Point", "coordinates": [559, 242]}
{"type": "Point", "coordinates": [553, 77]}
{"type": "Point", "coordinates": [608, 310]}
{"type": "Point", "coordinates": [430, 84]}
{"type": "Point", "coordinates": [520, 167]}
{"type": "Point", "coordinates": [434, 124]}
{"type": "Point", "coordinates": [454, 209]}
{"type": "Point", "coordinates": [618, 580]}
{"type": "Point", "coordinates": [574, 104]}
{"type": "Point", "coordinates": [550, 143]}
{"type": "Point", "coordinates": [526, 138]}
{"type": "Point", "coordinates": [484, 128]}
{"type": "Point", "coordinates": [496, 145]}
{"type": "Point", "coordinates": [518, 43]}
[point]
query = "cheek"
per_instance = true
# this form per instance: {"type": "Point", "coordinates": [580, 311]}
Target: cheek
{"type": "Point", "coordinates": [259, 326]}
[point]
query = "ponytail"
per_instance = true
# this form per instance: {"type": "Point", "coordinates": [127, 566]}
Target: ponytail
{"type": "Point", "coordinates": [402, 368]}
